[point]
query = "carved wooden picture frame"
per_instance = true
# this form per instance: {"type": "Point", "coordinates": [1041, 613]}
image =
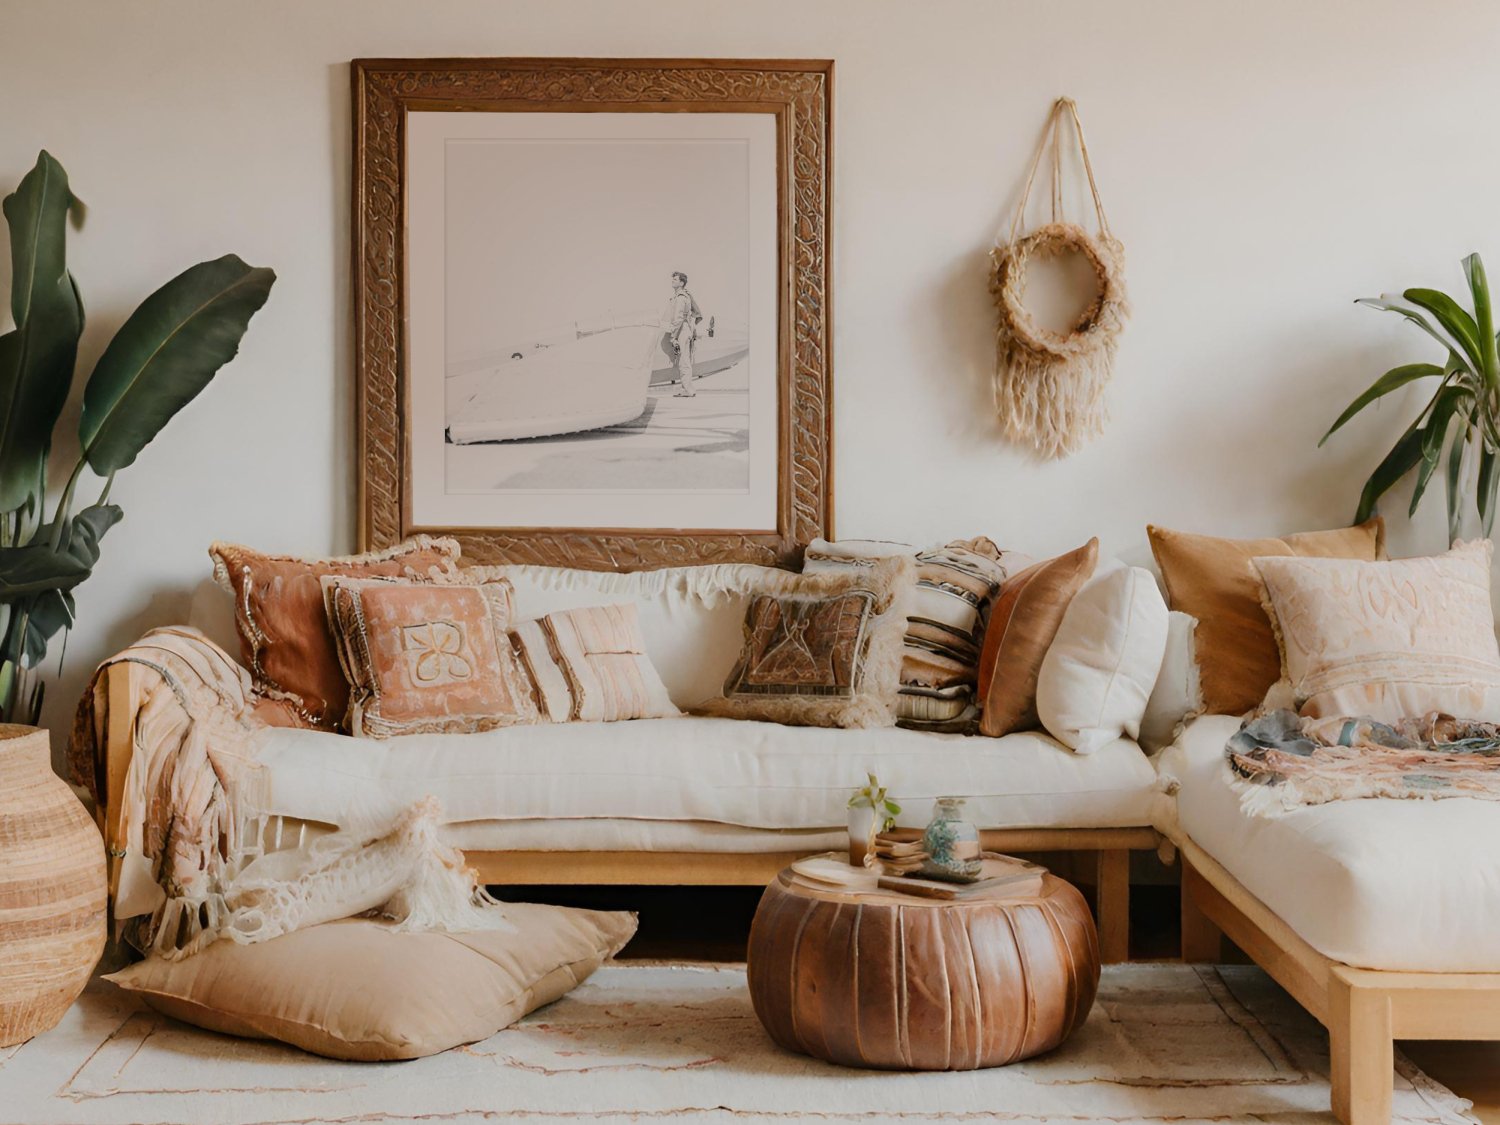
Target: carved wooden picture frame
{"type": "Point", "coordinates": [390, 99]}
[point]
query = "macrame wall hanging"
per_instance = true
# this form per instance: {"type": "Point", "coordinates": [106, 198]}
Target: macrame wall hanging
{"type": "Point", "coordinates": [1049, 386]}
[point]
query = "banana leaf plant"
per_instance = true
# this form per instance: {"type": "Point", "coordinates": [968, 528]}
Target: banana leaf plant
{"type": "Point", "coordinates": [1457, 428]}
{"type": "Point", "coordinates": [164, 354]}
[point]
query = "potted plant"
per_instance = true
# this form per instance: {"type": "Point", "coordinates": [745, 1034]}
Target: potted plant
{"type": "Point", "coordinates": [1457, 427]}
{"type": "Point", "coordinates": [162, 356]}
{"type": "Point", "coordinates": [871, 811]}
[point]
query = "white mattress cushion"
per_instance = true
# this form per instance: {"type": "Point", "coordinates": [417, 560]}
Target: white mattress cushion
{"type": "Point", "coordinates": [1377, 883]}
{"type": "Point", "coordinates": [731, 771]}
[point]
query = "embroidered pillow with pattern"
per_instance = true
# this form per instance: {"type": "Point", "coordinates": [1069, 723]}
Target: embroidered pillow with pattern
{"type": "Point", "coordinates": [1387, 640]}
{"type": "Point", "coordinates": [284, 635]}
{"type": "Point", "coordinates": [590, 665]}
{"type": "Point", "coordinates": [956, 584]}
{"type": "Point", "coordinates": [823, 649]}
{"type": "Point", "coordinates": [426, 657]}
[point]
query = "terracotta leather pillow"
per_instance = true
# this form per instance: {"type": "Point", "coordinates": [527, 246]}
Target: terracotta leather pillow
{"type": "Point", "coordinates": [358, 990]}
{"type": "Point", "coordinates": [1214, 580]}
{"type": "Point", "coordinates": [285, 640]}
{"type": "Point", "coordinates": [1023, 622]}
{"type": "Point", "coordinates": [427, 657]}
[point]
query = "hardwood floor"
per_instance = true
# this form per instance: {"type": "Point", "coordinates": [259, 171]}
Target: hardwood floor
{"type": "Point", "coordinates": [713, 924]}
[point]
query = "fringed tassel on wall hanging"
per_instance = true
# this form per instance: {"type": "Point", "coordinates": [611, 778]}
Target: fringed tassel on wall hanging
{"type": "Point", "coordinates": [1049, 386]}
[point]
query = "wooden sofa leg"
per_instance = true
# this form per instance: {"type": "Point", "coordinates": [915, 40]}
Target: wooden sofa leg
{"type": "Point", "coordinates": [1202, 941]}
{"type": "Point", "coordinates": [1361, 1052]}
{"type": "Point", "coordinates": [1112, 885]}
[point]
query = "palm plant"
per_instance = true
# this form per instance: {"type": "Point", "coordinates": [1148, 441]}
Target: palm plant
{"type": "Point", "coordinates": [163, 355]}
{"type": "Point", "coordinates": [1458, 426]}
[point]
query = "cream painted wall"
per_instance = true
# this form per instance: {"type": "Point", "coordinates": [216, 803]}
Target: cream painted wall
{"type": "Point", "coordinates": [1264, 164]}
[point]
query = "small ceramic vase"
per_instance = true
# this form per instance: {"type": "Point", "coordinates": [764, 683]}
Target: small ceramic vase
{"type": "Point", "coordinates": [951, 843]}
{"type": "Point", "coordinates": [861, 832]}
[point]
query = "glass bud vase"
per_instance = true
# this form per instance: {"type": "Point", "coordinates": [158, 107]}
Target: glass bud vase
{"type": "Point", "coordinates": [951, 843]}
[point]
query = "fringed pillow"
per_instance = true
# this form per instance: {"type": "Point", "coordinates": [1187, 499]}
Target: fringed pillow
{"type": "Point", "coordinates": [284, 634]}
{"type": "Point", "coordinates": [425, 657]}
{"type": "Point", "coordinates": [823, 649]}
{"type": "Point", "coordinates": [955, 586]}
{"type": "Point", "coordinates": [1385, 640]}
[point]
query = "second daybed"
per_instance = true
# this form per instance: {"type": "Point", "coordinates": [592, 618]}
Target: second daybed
{"type": "Point", "coordinates": [1378, 915]}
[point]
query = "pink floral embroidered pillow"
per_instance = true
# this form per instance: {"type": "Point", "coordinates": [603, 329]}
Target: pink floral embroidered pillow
{"type": "Point", "coordinates": [424, 657]}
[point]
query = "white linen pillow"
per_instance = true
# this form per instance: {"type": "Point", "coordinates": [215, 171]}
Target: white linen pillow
{"type": "Point", "coordinates": [1178, 694]}
{"type": "Point", "coordinates": [1100, 669]}
{"type": "Point", "coordinates": [1388, 640]}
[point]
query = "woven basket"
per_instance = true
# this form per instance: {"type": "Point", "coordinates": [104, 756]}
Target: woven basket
{"type": "Point", "coordinates": [52, 889]}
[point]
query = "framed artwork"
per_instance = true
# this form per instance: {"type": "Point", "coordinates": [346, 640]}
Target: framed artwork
{"type": "Point", "coordinates": [591, 306]}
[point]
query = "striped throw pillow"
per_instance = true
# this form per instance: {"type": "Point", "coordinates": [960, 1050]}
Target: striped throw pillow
{"type": "Point", "coordinates": [956, 583]}
{"type": "Point", "coordinates": [590, 665]}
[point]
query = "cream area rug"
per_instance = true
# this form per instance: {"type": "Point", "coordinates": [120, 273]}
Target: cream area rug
{"type": "Point", "coordinates": [647, 1042]}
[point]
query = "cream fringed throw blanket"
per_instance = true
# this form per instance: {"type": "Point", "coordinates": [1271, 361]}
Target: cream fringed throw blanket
{"type": "Point", "coordinates": [191, 844]}
{"type": "Point", "coordinates": [1280, 761]}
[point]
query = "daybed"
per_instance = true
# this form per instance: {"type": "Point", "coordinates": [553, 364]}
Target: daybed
{"type": "Point", "coordinates": [1378, 915]}
{"type": "Point", "coordinates": [669, 801]}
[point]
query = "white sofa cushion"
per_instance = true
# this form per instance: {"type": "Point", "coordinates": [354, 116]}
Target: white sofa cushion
{"type": "Point", "coordinates": [730, 771]}
{"type": "Point", "coordinates": [1378, 884]}
{"type": "Point", "coordinates": [1101, 665]}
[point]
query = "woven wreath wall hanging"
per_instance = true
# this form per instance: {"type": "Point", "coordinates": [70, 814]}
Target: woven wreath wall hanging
{"type": "Point", "coordinates": [1049, 386]}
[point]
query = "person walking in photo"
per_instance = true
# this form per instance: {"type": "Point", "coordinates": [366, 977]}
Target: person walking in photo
{"type": "Point", "coordinates": [679, 329]}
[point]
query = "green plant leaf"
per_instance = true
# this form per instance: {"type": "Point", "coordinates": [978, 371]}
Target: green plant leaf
{"type": "Point", "coordinates": [1391, 302]}
{"type": "Point", "coordinates": [1488, 479]}
{"type": "Point", "coordinates": [37, 356]}
{"type": "Point", "coordinates": [1445, 404]}
{"type": "Point", "coordinates": [1454, 319]}
{"type": "Point", "coordinates": [35, 568]}
{"type": "Point", "coordinates": [1484, 316]}
{"type": "Point", "coordinates": [81, 538]}
{"type": "Point", "coordinates": [166, 353]}
{"type": "Point", "coordinates": [1455, 475]}
{"type": "Point", "coordinates": [1393, 379]}
{"type": "Point", "coordinates": [1402, 458]}
{"type": "Point", "coordinates": [50, 612]}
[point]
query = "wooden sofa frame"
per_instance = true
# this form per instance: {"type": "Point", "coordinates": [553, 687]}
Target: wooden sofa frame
{"type": "Point", "coordinates": [1364, 1010]}
{"type": "Point", "coordinates": [1111, 846]}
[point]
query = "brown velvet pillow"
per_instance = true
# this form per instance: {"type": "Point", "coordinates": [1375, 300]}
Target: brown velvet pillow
{"type": "Point", "coordinates": [1022, 624]}
{"type": "Point", "coordinates": [285, 640]}
{"type": "Point", "coordinates": [427, 657]}
{"type": "Point", "coordinates": [1214, 580]}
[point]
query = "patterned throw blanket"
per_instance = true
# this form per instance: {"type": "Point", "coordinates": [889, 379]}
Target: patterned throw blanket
{"type": "Point", "coordinates": [1281, 761]}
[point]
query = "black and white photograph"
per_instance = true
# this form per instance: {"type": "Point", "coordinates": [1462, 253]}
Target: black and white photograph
{"type": "Point", "coordinates": [606, 327]}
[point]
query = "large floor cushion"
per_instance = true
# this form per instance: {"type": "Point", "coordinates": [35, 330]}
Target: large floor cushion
{"type": "Point", "coordinates": [730, 771]}
{"type": "Point", "coordinates": [1379, 884]}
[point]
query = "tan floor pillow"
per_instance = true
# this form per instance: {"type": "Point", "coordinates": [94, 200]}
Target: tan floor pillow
{"type": "Point", "coordinates": [358, 990]}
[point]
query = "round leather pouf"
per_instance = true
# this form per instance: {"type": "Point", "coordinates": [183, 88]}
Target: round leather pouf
{"type": "Point", "coordinates": [888, 980]}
